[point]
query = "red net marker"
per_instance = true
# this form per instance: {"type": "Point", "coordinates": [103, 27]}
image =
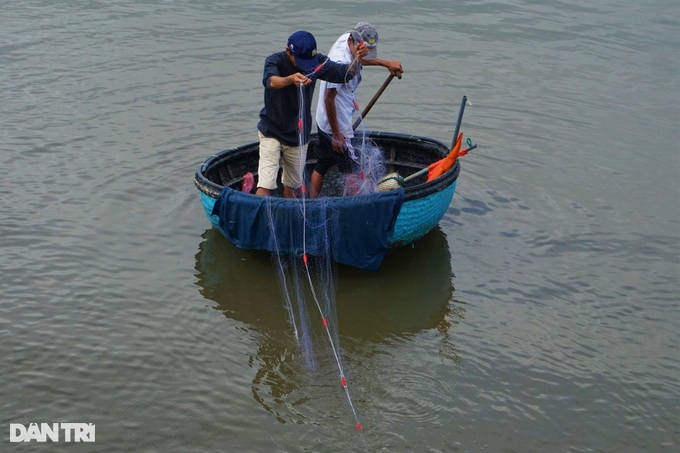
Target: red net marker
{"type": "Point", "coordinates": [325, 322]}
{"type": "Point", "coordinates": [300, 124]}
{"type": "Point", "coordinates": [304, 189]}
{"type": "Point", "coordinates": [343, 381]}
{"type": "Point", "coordinates": [358, 426]}
{"type": "Point", "coordinates": [318, 68]}
{"type": "Point", "coordinates": [304, 258]}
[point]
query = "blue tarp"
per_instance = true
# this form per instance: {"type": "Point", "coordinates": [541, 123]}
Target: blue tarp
{"type": "Point", "coordinates": [355, 230]}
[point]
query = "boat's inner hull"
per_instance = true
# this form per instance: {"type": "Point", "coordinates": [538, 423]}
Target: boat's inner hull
{"type": "Point", "coordinates": [404, 155]}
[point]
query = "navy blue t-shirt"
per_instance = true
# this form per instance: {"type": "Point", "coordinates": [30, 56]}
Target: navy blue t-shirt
{"type": "Point", "coordinates": [279, 116]}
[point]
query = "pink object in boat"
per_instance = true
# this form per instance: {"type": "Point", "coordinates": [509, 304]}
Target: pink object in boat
{"type": "Point", "coordinates": [248, 182]}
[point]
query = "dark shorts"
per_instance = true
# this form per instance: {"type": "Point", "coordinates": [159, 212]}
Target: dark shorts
{"type": "Point", "coordinates": [328, 157]}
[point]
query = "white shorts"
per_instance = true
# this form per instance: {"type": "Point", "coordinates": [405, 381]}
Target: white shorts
{"type": "Point", "coordinates": [273, 155]}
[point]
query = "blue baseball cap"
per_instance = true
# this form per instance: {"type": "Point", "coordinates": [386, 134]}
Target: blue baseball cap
{"type": "Point", "coordinates": [303, 46]}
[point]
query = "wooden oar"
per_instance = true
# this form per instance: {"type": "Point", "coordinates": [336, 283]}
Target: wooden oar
{"type": "Point", "coordinates": [375, 98]}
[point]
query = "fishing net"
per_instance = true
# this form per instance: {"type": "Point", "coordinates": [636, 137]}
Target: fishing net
{"type": "Point", "coordinates": [307, 277]}
{"type": "Point", "coordinates": [303, 260]}
{"type": "Point", "coordinates": [307, 274]}
{"type": "Point", "coordinates": [368, 165]}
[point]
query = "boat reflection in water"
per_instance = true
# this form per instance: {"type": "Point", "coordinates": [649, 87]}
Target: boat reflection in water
{"type": "Point", "coordinates": [412, 292]}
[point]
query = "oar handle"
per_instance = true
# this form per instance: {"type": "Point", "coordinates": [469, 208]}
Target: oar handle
{"type": "Point", "coordinates": [463, 103]}
{"type": "Point", "coordinates": [373, 101]}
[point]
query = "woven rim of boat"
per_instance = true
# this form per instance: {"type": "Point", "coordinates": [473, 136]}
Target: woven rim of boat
{"type": "Point", "coordinates": [407, 153]}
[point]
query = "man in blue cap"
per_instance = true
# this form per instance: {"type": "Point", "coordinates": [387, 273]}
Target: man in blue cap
{"type": "Point", "coordinates": [286, 75]}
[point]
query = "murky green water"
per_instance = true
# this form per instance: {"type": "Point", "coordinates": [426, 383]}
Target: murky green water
{"type": "Point", "coordinates": [540, 316]}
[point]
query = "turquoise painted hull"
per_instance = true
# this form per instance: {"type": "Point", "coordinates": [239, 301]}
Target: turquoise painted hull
{"type": "Point", "coordinates": [416, 217]}
{"type": "Point", "coordinates": [425, 202]}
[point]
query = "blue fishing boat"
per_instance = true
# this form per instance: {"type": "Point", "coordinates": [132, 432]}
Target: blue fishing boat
{"type": "Point", "coordinates": [365, 226]}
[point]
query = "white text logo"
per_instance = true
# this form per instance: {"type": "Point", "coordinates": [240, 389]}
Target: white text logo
{"type": "Point", "coordinates": [68, 432]}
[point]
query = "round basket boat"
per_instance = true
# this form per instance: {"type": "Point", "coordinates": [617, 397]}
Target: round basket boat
{"type": "Point", "coordinates": [424, 202]}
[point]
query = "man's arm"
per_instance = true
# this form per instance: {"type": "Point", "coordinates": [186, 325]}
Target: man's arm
{"type": "Point", "coordinates": [341, 73]}
{"type": "Point", "coordinates": [334, 72]}
{"type": "Point", "coordinates": [337, 138]}
{"type": "Point", "coordinates": [278, 82]}
{"type": "Point", "coordinates": [271, 77]}
{"type": "Point", "coordinates": [394, 66]}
